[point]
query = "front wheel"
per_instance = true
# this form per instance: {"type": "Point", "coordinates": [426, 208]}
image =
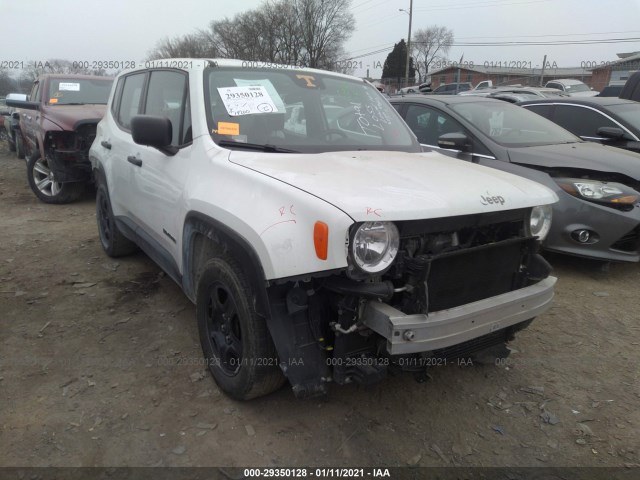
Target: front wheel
{"type": "Point", "coordinates": [19, 147]}
{"type": "Point", "coordinates": [235, 340]}
{"type": "Point", "coordinates": [44, 184]}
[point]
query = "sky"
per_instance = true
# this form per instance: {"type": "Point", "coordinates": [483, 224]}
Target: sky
{"type": "Point", "coordinates": [125, 30]}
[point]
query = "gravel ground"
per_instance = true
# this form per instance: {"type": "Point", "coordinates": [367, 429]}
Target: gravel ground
{"type": "Point", "coordinates": [100, 365]}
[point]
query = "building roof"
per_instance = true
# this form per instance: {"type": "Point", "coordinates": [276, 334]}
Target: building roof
{"type": "Point", "coordinates": [624, 59]}
{"type": "Point", "coordinates": [523, 72]}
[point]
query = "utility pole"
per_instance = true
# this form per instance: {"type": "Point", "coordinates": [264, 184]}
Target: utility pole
{"type": "Point", "coordinates": [544, 63]}
{"type": "Point", "coordinates": [406, 68]}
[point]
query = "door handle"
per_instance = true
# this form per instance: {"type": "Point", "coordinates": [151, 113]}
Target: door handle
{"type": "Point", "coordinates": [136, 161]}
{"type": "Point", "coordinates": [106, 144]}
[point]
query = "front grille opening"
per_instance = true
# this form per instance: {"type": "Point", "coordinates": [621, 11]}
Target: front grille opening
{"type": "Point", "coordinates": [474, 274]}
{"type": "Point", "coordinates": [448, 262]}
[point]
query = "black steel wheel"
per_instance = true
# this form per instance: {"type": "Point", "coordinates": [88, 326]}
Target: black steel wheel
{"type": "Point", "coordinates": [114, 243]}
{"type": "Point", "coordinates": [235, 340]}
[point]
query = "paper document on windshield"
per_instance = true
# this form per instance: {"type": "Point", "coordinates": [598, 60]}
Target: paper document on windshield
{"type": "Point", "coordinates": [247, 100]}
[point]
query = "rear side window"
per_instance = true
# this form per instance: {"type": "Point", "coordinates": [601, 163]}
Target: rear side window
{"type": "Point", "coordinates": [544, 110]}
{"type": "Point", "coordinates": [116, 96]}
{"type": "Point", "coordinates": [167, 97]}
{"type": "Point", "coordinates": [581, 121]}
{"type": "Point", "coordinates": [130, 102]}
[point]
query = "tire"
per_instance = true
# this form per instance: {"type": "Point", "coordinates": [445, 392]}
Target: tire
{"type": "Point", "coordinates": [43, 184]}
{"type": "Point", "coordinates": [235, 340]}
{"type": "Point", "coordinates": [114, 243]}
{"type": "Point", "coordinates": [19, 147]}
{"type": "Point", "coordinates": [12, 142]}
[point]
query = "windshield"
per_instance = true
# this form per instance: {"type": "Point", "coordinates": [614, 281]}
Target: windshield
{"type": "Point", "coordinates": [74, 91]}
{"type": "Point", "coordinates": [513, 126]}
{"type": "Point", "coordinates": [301, 111]}
{"type": "Point", "coordinates": [580, 87]}
{"type": "Point", "coordinates": [629, 112]}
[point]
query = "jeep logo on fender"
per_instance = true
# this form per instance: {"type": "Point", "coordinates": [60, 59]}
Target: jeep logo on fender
{"type": "Point", "coordinates": [492, 200]}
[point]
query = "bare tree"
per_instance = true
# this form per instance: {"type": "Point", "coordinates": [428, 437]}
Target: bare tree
{"type": "Point", "coordinates": [429, 45]}
{"type": "Point", "coordinates": [7, 84]}
{"type": "Point", "coordinates": [194, 45]}
{"type": "Point", "coordinates": [324, 26]}
{"type": "Point", "coordinates": [54, 65]}
{"type": "Point", "coordinates": [297, 32]}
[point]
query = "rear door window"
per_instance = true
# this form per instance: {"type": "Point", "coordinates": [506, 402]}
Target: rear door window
{"type": "Point", "coordinates": [581, 121]}
{"type": "Point", "coordinates": [130, 102]}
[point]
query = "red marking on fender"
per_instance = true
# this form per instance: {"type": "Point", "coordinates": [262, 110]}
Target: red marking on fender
{"type": "Point", "coordinates": [374, 211]}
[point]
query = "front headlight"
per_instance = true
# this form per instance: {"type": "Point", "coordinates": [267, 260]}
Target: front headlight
{"type": "Point", "coordinates": [540, 221]}
{"type": "Point", "coordinates": [611, 194]}
{"type": "Point", "coordinates": [374, 246]}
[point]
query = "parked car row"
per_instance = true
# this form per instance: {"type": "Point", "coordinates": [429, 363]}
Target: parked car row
{"type": "Point", "coordinates": [598, 214]}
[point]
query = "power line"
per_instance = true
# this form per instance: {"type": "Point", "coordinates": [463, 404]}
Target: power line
{"type": "Point", "coordinates": [475, 5]}
{"type": "Point", "coordinates": [555, 35]}
{"type": "Point", "coordinates": [510, 44]}
{"type": "Point", "coordinates": [557, 42]}
{"type": "Point", "coordinates": [360, 4]}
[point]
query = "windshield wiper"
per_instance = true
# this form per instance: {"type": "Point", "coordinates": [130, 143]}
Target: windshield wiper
{"type": "Point", "coordinates": [255, 146]}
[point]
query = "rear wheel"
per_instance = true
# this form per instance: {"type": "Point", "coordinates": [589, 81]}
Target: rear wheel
{"type": "Point", "coordinates": [114, 243]}
{"type": "Point", "coordinates": [235, 340]}
{"type": "Point", "coordinates": [44, 184]}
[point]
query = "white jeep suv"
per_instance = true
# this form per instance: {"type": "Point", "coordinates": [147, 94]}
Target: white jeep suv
{"type": "Point", "coordinates": [319, 243]}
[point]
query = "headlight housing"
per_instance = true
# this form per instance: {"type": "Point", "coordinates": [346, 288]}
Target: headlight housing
{"type": "Point", "coordinates": [374, 246]}
{"type": "Point", "coordinates": [540, 221]}
{"type": "Point", "coordinates": [611, 194]}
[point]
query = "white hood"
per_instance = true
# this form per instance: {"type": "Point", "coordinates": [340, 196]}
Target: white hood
{"type": "Point", "coordinates": [371, 185]}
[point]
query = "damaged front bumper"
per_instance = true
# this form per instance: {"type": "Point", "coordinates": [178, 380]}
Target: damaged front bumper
{"type": "Point", "coordinates": [408, 334]}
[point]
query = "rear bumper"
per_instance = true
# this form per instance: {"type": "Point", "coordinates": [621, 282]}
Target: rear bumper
{"type": "Point", "coordinates": [417, 333]}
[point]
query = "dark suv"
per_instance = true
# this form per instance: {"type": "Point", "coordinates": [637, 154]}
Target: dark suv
{"type": "Point", "coordinates": [57, 126]}
{"type": "Point", "coordinates": [631, 89]}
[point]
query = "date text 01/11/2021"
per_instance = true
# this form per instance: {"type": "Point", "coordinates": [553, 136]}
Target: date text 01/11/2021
{"type": "Point", "coordinates": [317, 472]}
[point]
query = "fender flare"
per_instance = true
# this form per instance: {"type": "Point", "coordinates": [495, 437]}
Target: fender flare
{"type": "Point", "coordinates": [240, 248]}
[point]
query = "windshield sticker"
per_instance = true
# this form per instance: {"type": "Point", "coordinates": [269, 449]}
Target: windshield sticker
{"type": "Point", "coordinates": [309, 79]}
{"type": "Point", "coordinates": [495, 123]}
{"type": "Point", "coordinates": [228, 128]}
{"type": "Point", "coordinates": [246, 100]}
{"type": "Point", "coordinates": [271, 90]}
{"type": "Point", "coordinates": [53, 100]}
{"type": "Point", "coordinates": [72, 87]}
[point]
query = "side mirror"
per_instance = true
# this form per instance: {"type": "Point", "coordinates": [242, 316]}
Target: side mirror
{"type": "Point", "coordinates": [23, 104]}
{"type": "Point", "coordinates": [152, 131]}
{"type": "Point", "coordinates": [455, 141]}
{"type": "Point", "coordinates": [613, 133]}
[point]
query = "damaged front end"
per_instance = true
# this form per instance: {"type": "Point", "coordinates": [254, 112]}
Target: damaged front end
{"type": "Point", "coordinates": [67, 152]}
{"type": "Point", "coordinates": [453, 287]}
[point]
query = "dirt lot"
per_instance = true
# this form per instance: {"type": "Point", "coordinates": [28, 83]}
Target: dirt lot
{"type": "Point", "coordinates": [100, 365]}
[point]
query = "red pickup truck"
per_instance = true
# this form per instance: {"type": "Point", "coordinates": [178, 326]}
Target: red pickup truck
{"type": "Point", "coordinates": [57, 126]}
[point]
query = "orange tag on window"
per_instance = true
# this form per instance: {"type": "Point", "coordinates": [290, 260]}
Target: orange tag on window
{"type": "Point", "coordinates": [228, 128]}
{"type": "Point", "coordinates": [53, 100]}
